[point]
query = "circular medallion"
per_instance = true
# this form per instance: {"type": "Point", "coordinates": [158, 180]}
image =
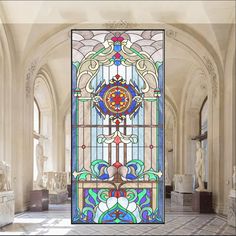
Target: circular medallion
{"type": "Point", "coordinates": [117, 99]}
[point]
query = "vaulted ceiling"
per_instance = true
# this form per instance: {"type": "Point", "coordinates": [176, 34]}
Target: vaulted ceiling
{"type": "Point", "coordinates": [32, 22]}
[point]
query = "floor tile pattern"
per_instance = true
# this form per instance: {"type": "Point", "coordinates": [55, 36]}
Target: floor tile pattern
{"type": "Point", "coordinates": [56, 221]}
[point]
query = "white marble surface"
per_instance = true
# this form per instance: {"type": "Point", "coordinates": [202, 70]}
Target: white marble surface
{"type": "Point", "coordinates": [181, 199]}
{"type": "Point", "coordinates": [232, 211]}
{"type": "Point", "coordinates": [183, 183]}
{"type": "Point", "coordinates": [57, 222]}
{"type": "Point", "coordinates": [58, 198]}
{"type": "Point", "coordinates": [55, 182]}
{"type": "Point", "coordinates": [7, 207]}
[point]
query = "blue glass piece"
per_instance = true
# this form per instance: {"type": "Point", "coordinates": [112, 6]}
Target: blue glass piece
{"type": "Point", "coordinates": [117, 63]}
{"type": "Point", "coordinates": [131, 176]}
{"type": "Point", "coordinates": [102, 106]}
{"type": "Point", "coordinates": [133, 93]}
{"type": "Point", "coordinates": [104, 176]}
{"type": "Point", "coordinates": [117, 48]}
{"type": "Point", "coordinates": [101, 165]}
{"type": "Point", "coordinates": [99, 85]}
{"type": "Point", "coordinates": [102, 92]}
{"type": "Point", "coordinates": [132, 107]}
{"type": "Point", "coordinates": [134, 166]}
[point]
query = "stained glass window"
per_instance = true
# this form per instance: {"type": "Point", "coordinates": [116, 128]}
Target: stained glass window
{"type": "Point", "coordinates": [117, 126]}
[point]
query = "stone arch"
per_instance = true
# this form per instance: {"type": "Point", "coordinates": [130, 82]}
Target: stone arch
{"type": "Point", "coordinates": [171, 129]}
{"type": "Point", "coordinates": [46, 99]}
{"type": "Point", "coordinates": [211, 69]}
{"type": "Point", "coordinates": [195, 93]}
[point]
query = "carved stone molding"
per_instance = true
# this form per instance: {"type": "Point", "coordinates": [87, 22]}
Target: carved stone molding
{"type": "Point", "coordinates": [211, 70]}
{"type": "Point", "coordinates": [29, 76]}
{"type": "Point", "coordinates": [120, 24]}
{"type": "Point", "coordinates": [171, 33]}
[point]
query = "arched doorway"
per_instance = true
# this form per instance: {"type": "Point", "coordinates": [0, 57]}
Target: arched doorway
{"type": "Point", "coordinates": [43, 123]}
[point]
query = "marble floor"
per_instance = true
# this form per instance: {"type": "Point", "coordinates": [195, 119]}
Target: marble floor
{"type": "Point", "coordinates": [56, 221]}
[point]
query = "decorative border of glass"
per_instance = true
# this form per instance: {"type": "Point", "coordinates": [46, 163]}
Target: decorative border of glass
{"type": "Point", "coordinates": [117, 126]}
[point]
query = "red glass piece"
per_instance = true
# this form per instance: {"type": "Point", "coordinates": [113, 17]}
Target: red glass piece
{"type": "Point", "coordinates": [117, 76]}
{"type": "Point", "coordinates": [117, 99]}
{"type": "Point", "coordinates": [117, 165]}
{"type": "Point", "coordinates": [115, 39]}
{"type": "Point", "coordinates": [117, 193]}
{"type": "Point", "coordinates": [117, 140]}
{"type": "Point", "coordinates": [117, 122]}
{"type": "Point", "coordinates": [117, 55]}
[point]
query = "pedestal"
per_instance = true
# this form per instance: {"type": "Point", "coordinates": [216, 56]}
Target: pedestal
{"type": "Point", "coordinates": [39, 200]}
{"type": "Point", "coordinates": [181, 199]}
{"type": "Point", "coordinates": [183, 183]}
{"type": "Point", "coordinates": [202, 202]}
{"type": "Point", "coordinates": [169, 188]}
{"type": "Point", "coordinates": [7, 208]}
{"type": "Point", "coordinates": [232, 210]}
{"type": "Point", "coordinates": [58, 198]}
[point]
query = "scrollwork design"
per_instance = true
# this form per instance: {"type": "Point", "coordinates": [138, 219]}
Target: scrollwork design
{"type": "Point", "coordinates": [142, 61]}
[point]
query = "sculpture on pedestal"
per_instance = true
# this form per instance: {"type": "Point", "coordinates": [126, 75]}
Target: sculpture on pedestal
{"type": "Point", "coordinates": [167, 178]}
{"type": "Point", "coordinates": [4, 176]}
{"type": "Point", "coordinates": [234, 178]}
{"type": "Point", "coordinates": [7, 202]}
{"type": "Point", "coordinates": [233, 189]}
{"type": "Point", "coordinates": [40, 159]}
{"type": "Point", "coordinates": [200, 167]}
{"type": "Point", "coordinates": [232, 201]}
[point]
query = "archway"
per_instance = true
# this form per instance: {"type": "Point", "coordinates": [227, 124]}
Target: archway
{"type": "Point", "coordinates": [43, 121]}
{"type": "Point", "coordinates": [67, 132]}
{"type": "Point", "coordinates": [209, 65]}
{"type": "Point", "coordinates": [196, 93]}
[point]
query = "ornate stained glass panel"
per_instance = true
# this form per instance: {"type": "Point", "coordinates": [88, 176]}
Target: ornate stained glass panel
{"type": "Point", "coordinates": [117, 126]}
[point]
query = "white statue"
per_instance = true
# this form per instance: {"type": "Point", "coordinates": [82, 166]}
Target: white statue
{"type": "Point", "coordinates": [233, 190]}
{"type": "Point", "coordinates": [40, 158]}
{"type": "Point", "coordinates": [4, 176]}
{"type": "Point", "coordinates": [167, 178]}
{"type": "Point", "coordinates": [234, 178]}
{"type": "Point", "coordinates": [200, 167]}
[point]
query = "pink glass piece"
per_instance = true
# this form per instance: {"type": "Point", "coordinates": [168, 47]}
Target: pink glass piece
{"type": "Point", "coordinates": [117, 140]}
{"type": "Point", "coordinates": [117, 164]}
{"type": "Point", "coordinates": [117, 55]}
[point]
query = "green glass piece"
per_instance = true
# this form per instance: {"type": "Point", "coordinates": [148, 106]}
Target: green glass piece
{"type": "Point", "coordinates": [76, 64]}
{"type": "Point", "coordinates": [137, 53]}
{"type": "Point", "coordinates": [103, 194]}
{"type": "Point", "coordinates": [94, 196]}
{"type": "Point", "coordinates": [141, 195]}
{"type": "Point", "coordinates": [98, 52]}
